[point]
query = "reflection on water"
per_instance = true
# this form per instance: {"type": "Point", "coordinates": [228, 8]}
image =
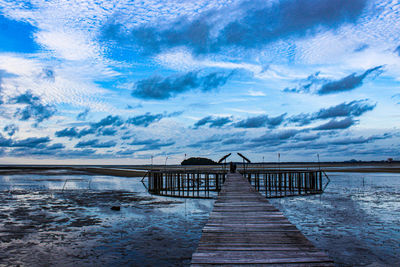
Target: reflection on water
{"type": "Point", "coordinates": [356, 220]}
{"type": "Point", "coordinates": [42, 224]}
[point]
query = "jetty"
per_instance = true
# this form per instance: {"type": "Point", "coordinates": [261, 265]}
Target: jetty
{"type": "Point", "coordinates": [206, 183]}
{"type": "Point", "coordinates": [245, 229]}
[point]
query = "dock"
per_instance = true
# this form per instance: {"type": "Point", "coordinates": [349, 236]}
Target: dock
{"type": "Point", "coordinates": [206, 183]}
{"type": "Point", "coordinates": [245, 229]}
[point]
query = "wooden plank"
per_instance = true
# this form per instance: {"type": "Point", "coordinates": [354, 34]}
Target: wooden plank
{"type": "Point", "coordinates": [245, 229]}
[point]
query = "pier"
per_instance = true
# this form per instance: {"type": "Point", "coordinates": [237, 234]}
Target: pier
{"type": "Point", "coordinates": [245, 229]}
{"type": "Point", "coordinates": [206, 183]}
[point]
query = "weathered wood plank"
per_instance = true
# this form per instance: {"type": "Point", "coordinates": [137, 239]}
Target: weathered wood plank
{"type": "Point", "coordinates": [245, 229]}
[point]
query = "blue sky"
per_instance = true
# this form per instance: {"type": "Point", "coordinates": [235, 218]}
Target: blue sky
{"type": "Point", "coordinates": [119, 82]}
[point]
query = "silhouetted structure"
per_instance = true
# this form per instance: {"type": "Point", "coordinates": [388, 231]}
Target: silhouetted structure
{"type": "Point", "coordinates": [198, 161]}
{"type": "Point", "coordinates": [232, 167]}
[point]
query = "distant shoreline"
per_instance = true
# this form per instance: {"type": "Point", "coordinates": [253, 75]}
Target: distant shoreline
{"type": "Point", "coordinates": [140, 170]}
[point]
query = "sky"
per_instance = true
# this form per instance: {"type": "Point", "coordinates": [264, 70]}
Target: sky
{"type": "Point", "coordinates": [128, 82]}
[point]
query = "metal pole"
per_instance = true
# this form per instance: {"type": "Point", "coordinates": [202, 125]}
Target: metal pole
{"type": "Point", "coordinates": [279, 161]}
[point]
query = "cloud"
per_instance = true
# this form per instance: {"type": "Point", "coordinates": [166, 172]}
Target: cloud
{"type": "Point", "coordinates": [308, 137]}
{"type": "Point", "coordinates": [347, 83]}
{"type": "Point", "coordinates": [151, 144]}
{"type": "Point", "coordinates": [343, 143]}
{"type": "Point", "coordinates": [323, 86]}
{"type": "Point", "coordinates": [95, 144]}
{"type": "Point", "coordinates": [256, 93]}
{"type": "Point", "coordinates": [216, 139]}
{"type": "Point", "coordinates": [33, 108]}
{"type": "Point", "coordinates": [102, 127]}
{"type": "Point", "coordinates": [82, 116]}
{"type": "Point", "coordinates": [138, 142]}
{"type": "Point", "coordinates": [87, 131]}
{"type": "Point", "coordinates": [359, 140]}
{"type": "Point", "coordinates": [260, 121]}
{"type": "Point", "coordinates": [42, 149]}
{"type": "Point", "coordinates": [74, 132]}
{"type": "Point", "coordinates": [305, 85]}
{"type": "Point", "coordinates": [11, 129]}
{"type": "Point", "coordinates": [301, 119]}
{"type": "Point", "coordinates": [55, 151]}
{"type": "Point", "coordinates": [250, 24]}
{"type": "Point", "coordinates": [271, 139]}
{"type": "Point", "coordinates": [157, 146]}
{"type": "Point", "coordinates": [68, 132]}
{"type": "Point", "coordinates": [346, 109]}
{"type": "Point", "coordinates": [48, 74]}
{"type": "Point", "coordinates": [276, 136]}
{"type": "Point", "coordinates": [134, 106]}
{"type": "Point", "coordinates": [157, 87]}
{"type": "Point", "coordinates": [107, 131]}
{"type": "Point", "coordinates": [214, 122]}
{"type": "Point", "coordinates": [397, 50]}
{"type": "Point", "coordinates": [396, 97]}
{"type": "Point", "coordinates": [4, 74]}
{"type": "Point", "coordinates": [353, 108]}
{"type": "Point", "coordinates": [31, 142]}
{"type": "Point", "coordinates": [234, 141]}
{"type": "Point", "coordinates": [5, 142]}
{"type": "Point", "coordinates": [108, 125]}
{"type": "Point", "coordinates": [145, 119]}
{"type": "Point", "coordinates": [336, 125]}
{"type": "Point", "coordinates": [55, 146]}
{"type": "Point", "coordinates": [361, 48]}
{"type": "Point", "coordinates": [108, 121]}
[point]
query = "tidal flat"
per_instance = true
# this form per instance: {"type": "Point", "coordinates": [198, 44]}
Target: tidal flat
{"type": "Point", "coordinates": [64, 218]}
{"type": "Point", "coordinates": [43, 225]}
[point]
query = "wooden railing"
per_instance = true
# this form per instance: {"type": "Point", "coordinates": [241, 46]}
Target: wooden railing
{"type": "Point", "coordinates": [202, 183]}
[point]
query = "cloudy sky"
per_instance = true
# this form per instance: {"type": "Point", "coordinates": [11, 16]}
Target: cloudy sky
{"type": "Point", "coordinates": [118, 82]}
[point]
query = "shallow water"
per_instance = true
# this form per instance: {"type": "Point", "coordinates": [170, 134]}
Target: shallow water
{"type": "Point", "coordinates": [356, 220]}
{"type": "Point", "coordinates": [45, 221]}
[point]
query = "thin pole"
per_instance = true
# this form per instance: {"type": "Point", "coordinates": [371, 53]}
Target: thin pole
{"type": "Point", "coordinates": [279, 161]}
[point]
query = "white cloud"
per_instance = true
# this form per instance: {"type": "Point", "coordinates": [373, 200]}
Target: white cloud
{"type": "Point", "coordinates": [68, 45]}
{"type": "Point", "coordinates": [256, 93]}
{"type": "Point", "coordinates": [182, 60]}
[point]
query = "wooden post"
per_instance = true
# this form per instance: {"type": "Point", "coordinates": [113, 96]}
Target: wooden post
{"type": "Point", "coordinates": [320, 181]}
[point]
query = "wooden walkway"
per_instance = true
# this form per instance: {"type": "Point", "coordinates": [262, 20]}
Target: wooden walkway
{"type": "Point", "coordinates": [245, 229]}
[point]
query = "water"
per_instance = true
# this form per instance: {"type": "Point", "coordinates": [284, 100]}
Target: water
{"type": "Point", "coordinates": [356, 221]}
{"type": "Point", "coordinates": [42, 224]}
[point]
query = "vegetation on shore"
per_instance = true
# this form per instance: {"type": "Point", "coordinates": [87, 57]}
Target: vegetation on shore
{"type": "Point", "coordinates": [198, 161]}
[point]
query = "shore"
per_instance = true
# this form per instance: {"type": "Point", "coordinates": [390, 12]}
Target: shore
{"type": "Point", "coordinates": [141, 170]}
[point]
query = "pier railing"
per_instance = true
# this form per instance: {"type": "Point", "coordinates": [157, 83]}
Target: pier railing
{"type": "Point", "coordinates": [186, 183]}
{"type": "Point", "coordinates": [203, 183]}
{"type": "Point", "coordinates": [281, 183]}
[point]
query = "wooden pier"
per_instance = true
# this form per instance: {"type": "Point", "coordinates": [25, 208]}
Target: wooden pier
{"type": "Point", "coordinates": [245, 229]}
{"type": "Point", "coordinates": [200, 183]}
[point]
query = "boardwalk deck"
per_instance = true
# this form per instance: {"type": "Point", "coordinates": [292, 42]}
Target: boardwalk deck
{"type": "Point", "coordinates": [245, 229]}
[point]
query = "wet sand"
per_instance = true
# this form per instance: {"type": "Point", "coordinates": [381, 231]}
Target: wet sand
{"type": "Point", "coordinates": [43, 225]}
